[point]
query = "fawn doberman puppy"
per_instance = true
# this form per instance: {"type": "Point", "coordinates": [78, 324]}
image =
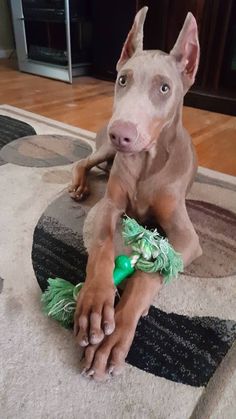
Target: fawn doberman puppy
{"type": "Point", "coordinates": [154, 166]}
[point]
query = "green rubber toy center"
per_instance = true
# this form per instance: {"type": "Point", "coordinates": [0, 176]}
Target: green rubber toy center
{"type": "Point", "coordinates": [123, 269]}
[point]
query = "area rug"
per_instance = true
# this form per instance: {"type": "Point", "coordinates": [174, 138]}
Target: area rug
{"type": "Point", "coordinates": [182, 363]}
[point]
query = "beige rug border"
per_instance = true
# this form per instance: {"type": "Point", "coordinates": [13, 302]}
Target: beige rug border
{"type": "Point", "coordinates": [218, 393]}
{"type": "Point", "coordinates": [90, 136]}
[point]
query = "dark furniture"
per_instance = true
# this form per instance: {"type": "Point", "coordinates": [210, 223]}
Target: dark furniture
{"type": "Point", "coordinates": [215, 87]}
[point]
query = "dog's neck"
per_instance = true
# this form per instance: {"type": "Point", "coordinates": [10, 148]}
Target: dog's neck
{"type": "Point", "coordinates": [157, 156]}
{"type": "Point", "coordinates": [171, 131]}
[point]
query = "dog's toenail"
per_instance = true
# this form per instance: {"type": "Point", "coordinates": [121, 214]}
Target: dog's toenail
{"type": "Point", "coordinates": [110, 370]}
{"type": "Point", "coordinates": [84, 341]}
{"type": "Point", "coordinates": [83, 372]}
{"type": "Point", "coordinates": [94, 339]}
{"type": "Point", "coordinates": [90, 373]}
{"type": "Point", "coordinates": [107, 328]}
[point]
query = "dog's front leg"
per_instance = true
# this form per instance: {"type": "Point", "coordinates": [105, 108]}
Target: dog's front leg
{"type": "Point", "coordinates": [140, 290]}
{"type": "Point", "coordinates": [94, 315]}
{"type": "Point", "coordinates": [179, 229]}
{"type": "Point", "coordinates": [108, 358]}
{"type": "Point", "coordinates": [80, 188]}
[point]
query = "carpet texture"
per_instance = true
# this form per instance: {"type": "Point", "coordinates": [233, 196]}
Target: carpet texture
{"type": "Point", "coordinates": [182, 363]}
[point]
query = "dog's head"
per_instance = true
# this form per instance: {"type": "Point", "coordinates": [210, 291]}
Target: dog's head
{"type": "Point", "coordinates": [150, 86]}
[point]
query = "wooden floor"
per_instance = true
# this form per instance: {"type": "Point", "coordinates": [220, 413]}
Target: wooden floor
{"type": "Point", "coordinates": [88, 104]}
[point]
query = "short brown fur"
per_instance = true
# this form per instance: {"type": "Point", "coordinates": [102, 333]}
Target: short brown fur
{"type": "Point", "coordinates": [154, 167]}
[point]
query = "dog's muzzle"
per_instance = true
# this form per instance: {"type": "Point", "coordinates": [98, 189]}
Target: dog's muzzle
{"type": "Point", "coordinates": [123, 135]}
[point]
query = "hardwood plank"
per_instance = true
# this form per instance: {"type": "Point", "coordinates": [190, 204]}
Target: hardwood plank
{"type": "Point", "coordinates": [88, 104]}
{"type": "Point", "coordinates": [219, 151]}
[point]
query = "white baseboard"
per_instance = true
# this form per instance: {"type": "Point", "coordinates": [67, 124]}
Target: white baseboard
{"type": "Point", "coordinates": [5, 53]}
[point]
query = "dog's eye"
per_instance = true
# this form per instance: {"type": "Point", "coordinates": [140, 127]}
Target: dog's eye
{"type": "Point", "coordinates": [122, 81]}
{"type": "Point", "coordinates": [164, 88]}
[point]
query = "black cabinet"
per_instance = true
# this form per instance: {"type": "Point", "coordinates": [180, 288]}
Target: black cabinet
{"type": "Point", "coordinates": [215, 87]}
{"type": "Point", "coordinates": [111, 21]}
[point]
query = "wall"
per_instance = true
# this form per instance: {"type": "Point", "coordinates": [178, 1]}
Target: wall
{"type": "Point", "coordinates": [6, 32]}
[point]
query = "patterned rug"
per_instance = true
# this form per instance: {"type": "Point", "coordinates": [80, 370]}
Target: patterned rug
{"type": "Point", "coordinates": [182, 363]}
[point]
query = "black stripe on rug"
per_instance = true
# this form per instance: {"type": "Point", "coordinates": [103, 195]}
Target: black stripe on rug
{"type": "Point", "coordinates": [11, 129]}
{"type": "Point", "coordinates": [179, 348]}
{"type": "Point", "coordinates": [53, 257]}
{"type": "Point", "coordinates": [183, 349]}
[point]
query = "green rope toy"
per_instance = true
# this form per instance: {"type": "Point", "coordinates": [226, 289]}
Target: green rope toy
{"type": "Point", "coordinates": [151, 253]}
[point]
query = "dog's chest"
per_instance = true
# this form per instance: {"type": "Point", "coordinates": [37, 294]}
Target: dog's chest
{"type": "Point", "coordinates": [139, 203]}
{"type": "Point", "coordinates": [141, 190]}
{"type": "Point", "coordinates": [140, 173]}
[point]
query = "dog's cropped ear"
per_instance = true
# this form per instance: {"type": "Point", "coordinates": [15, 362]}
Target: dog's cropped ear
{"type": "Point", "coordinates": [134, 40]}
{"type": "Point", "coordinates": [187, 51]}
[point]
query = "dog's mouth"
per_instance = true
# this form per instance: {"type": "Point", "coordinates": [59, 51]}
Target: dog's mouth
{"type": "Point", "coordinates": [134, 148]}
{"type": "Point", "coordinates": [125, 150]}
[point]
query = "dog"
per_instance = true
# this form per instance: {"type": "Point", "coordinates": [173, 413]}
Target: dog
{"type": "Point", "coordinates": [154, 167]}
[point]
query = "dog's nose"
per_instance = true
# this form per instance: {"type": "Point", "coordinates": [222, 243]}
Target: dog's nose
{"type": "Point", "coordinates": [123, 134]}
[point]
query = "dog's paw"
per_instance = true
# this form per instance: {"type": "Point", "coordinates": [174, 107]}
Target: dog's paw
{"type": "Point", "coordinates": [79, 188]}
{"type": "Point", "coordinates": [78, 193]}
{"type": "Point", "coordinates": [94, 316]}
{"type": "Point", "coordinates": [108, 359]}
